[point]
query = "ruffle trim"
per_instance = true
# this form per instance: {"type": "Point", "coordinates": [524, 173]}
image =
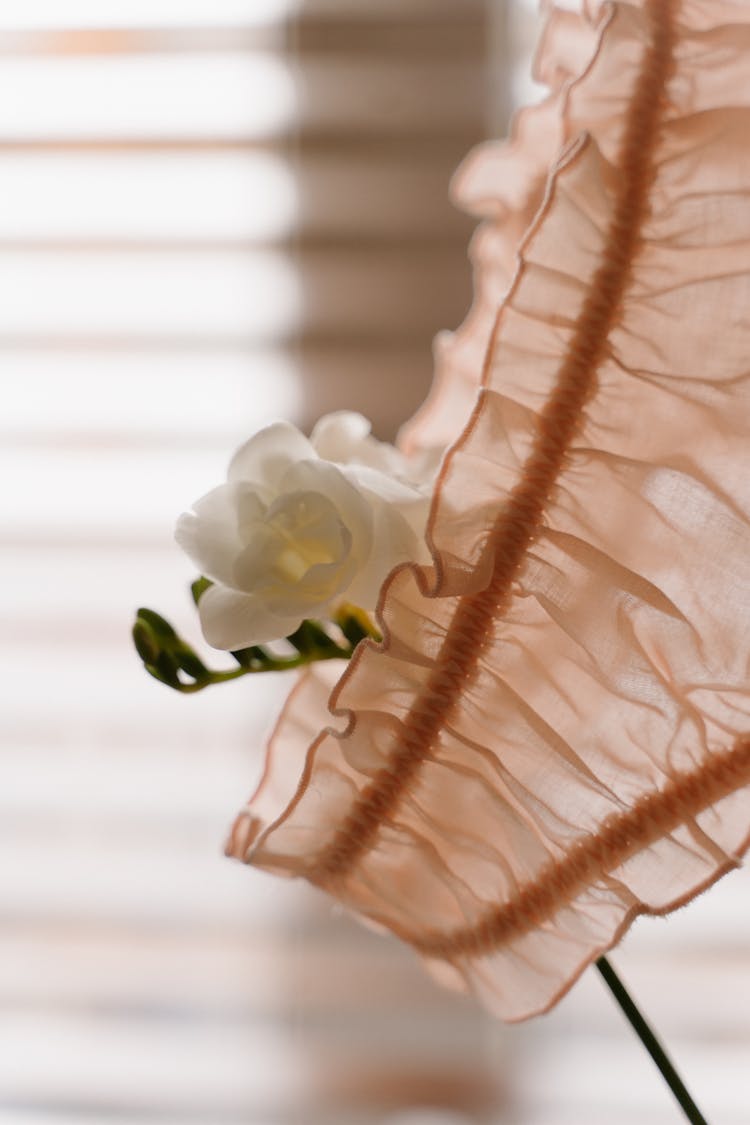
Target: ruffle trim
{"type": "Point", "coordinates": [553, 736]}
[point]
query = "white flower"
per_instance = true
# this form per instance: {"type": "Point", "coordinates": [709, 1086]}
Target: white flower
{"type": "Point", "coordinates": [301, 525]}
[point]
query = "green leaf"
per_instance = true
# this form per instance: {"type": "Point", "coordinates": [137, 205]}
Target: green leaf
{"type": "Point", "coordinates": [165, 669]}
{"type": "Point", "coordinates": [145, 643]}
{"type": "Point", "coordinates": [165, 654]}
{"type": "Point", "coordinates": [157, 625]}
{"type": "Point", "coordinates": [199, 587]}
{"type": "Point", "coordinates": [355, 624]}
{"type": "Point", "coordinates": [191, 663]}
{"type": "Point", "coordinates": [312, 640]}
{"type": "Point", "coordinates": [254, 658]}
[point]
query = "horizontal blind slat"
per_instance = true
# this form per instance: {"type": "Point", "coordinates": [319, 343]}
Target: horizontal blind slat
{"type": "Point", "coordinates": [225, 296]}
{"type": "Point", "coordinates": [83, 398]}
{"type": "Point", "coordinates": [208, 398]}
{"type": "Point", "coordinates": [255, 196]}
{"type": "Point", "coordinates": [233, 95]}
{"type": "Point", "coordinates": [42, 14]}
{"type": "Point", "coordinates": [224, 95]}
{"type": "Point", "coordinates": [158, 196]}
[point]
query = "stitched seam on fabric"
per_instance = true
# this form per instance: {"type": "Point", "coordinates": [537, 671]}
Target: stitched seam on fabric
{"type": "Point", "coordinates": [520, 519]}
{"type": "Point", "coordinates": [620, 837]}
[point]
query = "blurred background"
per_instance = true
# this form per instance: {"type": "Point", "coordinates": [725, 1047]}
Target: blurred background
{"type": "Point", "coordinates": [214, 213]}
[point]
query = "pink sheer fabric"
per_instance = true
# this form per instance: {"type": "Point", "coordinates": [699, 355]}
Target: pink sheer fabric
{"type": "Point", "coordinates": [554, 735]}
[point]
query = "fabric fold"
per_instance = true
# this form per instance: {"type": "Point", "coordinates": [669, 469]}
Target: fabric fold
{"type": "Point", "coordinates": [554, 735]}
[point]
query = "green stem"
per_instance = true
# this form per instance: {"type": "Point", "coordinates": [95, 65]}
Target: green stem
{"type": "Point", "coordinates": [650, 1042]}
{"type": "Point", "coordinates": [270, 665]}
{"type": "Point", "coordinates": [169, 659]}
{"type": "Point", "coordinates": [210, 678]}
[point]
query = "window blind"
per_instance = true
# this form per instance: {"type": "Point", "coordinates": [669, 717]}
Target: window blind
{"type": "Point", "coordinates": [211, 215]}
{"type": "Point", "coordinates": [214, 213]}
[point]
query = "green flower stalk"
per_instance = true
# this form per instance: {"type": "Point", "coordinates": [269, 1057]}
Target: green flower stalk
{"type": "Point", "coordinates": [172, 661]}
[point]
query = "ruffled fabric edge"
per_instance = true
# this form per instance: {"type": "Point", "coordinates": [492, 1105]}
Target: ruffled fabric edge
{"type": "Point", "coordinates": [730, 778]}
{"type": "Point", "coordinates": [504, 184]}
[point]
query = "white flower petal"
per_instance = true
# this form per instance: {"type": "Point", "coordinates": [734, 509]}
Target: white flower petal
{"type": "Point", "coordinates": [382, 486]}
{"type": "Point", "coordinates": [337, 437]}
{"type": "Point", "coordinates": [395, 540]}
{"type": "Point", "coordinates": [296, 552]}
{"type": "Point", "coordinates": [232, 620]}
{"type": "Point", "coordinates": [268, 454]}
{"type": "Point", "coordinates": [352, 507]}
{"type": "Point", "coordinates": [324, 585]}
{"type": "Point", "coordinates": [210, 536]}
{"type": "Point", "coordinates": [345, 438]}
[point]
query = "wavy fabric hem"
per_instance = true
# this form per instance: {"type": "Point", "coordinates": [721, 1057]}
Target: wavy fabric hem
{"type": "Point", "coordinates": [538, 751]}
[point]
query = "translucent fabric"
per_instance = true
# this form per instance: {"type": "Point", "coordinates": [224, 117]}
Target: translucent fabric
{"type": "Point", "coordinates": [554, 735]}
